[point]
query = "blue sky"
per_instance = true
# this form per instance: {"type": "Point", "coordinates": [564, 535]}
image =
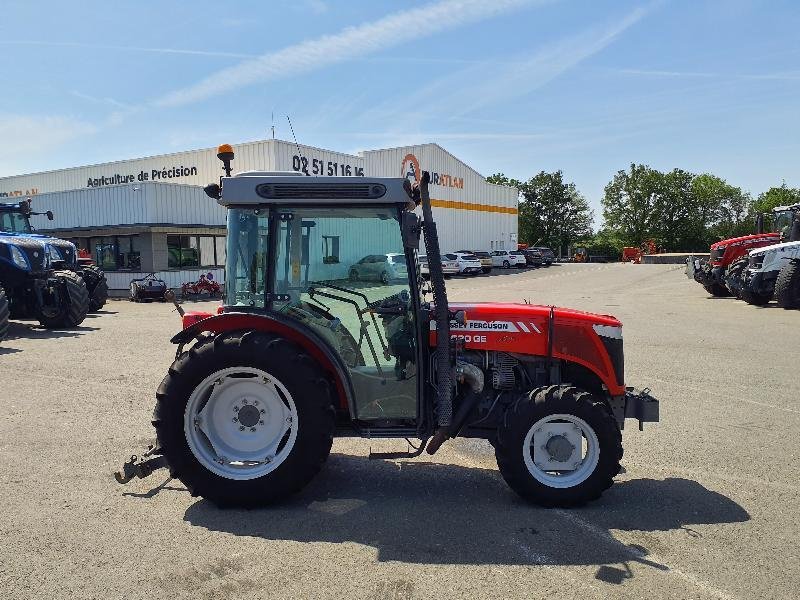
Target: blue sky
{"type": "Point", "coordinates": [516, 86]}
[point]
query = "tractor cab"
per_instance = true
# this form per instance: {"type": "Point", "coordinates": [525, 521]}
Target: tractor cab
{"type": "Point", "coordinates": [333, 258]}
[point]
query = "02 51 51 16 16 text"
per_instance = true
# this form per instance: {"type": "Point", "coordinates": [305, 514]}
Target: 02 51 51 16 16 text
{"type": "Point", "coordinates": [330, 168]}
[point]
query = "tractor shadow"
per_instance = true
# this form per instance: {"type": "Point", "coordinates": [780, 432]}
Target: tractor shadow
{"type": "Point", "coordinates": [18, 330]}
{"type": "Point", "coordinates": [431, 513]}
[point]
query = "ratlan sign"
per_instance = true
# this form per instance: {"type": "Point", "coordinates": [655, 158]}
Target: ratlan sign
{"type": "Point", "coordinates": [153, 175]}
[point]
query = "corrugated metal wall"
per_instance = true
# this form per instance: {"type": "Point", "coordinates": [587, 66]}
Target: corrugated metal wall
{"type": "Point", "coordinates": [470, 213]}
{"type": "Point", "coordinates": [135, 204]}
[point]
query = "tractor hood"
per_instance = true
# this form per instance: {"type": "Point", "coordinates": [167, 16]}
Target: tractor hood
{"type": "Point", "coordinates": [780, 247]}
{"type": "Point", "coordinates": [66, 249]}
{"type": "Point", "coordinates": [494, 314]}
{"type": "Point", "coordinates": [590, 340]}
{"type": "Point", "coordinates": [746, 240]}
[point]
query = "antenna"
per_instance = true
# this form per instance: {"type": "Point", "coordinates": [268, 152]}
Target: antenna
{"type": "Point", "coordinates": [300, 154]}
{"type": "Point", "coordinates": [273, 125]}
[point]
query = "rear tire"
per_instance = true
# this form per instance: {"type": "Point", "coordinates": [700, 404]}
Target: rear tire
{"type": "Point", "coordinates": [234, 482]}
{"type": "Point", "coordinates": [4, 314]}
{"type": "Point", "coordinates": [97, 287]}
{"type": "Point", "coordinates": [353, 275]}
{"type": "Point", "coordinates": [73, 303]}
{"type": "Point", "coordinates": [717, 290]}
{"type": "Point", "coordinates": [733, 276]}
{"type": "Point", "coordinates": [754, 298]}
{"type": "Point", "coordinates": [787, 286]}
{"type": "Point", "coordinates": [568, 407]}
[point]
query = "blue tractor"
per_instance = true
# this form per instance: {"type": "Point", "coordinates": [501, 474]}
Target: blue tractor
{"type": "Point", "coordinates": [40, 276]}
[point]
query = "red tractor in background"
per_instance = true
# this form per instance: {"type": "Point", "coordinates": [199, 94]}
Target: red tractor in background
{"type": "Point", "coordinates": [204, 285]}
{"type": "Point", "coordinates": [634, 254]}
{"type": "Point", "coordinates": [299, 354]}
{"type": "Point", "coordinates": [721, 275]}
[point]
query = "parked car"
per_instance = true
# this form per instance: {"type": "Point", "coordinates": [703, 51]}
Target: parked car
{"type": "Point", "coordinates": [449, 267]}
{"type": "Point", "coordinates": [484, 257]}
{"type": "Point", "coordinates": [380, 267]}
{"type": "Point", "coordinates": [508, 259]}
{"type": "Point", "coordinates": [548, 256]}
{"type": "Point", "coordinates": [467, 263]}
{"type": "Point", "coordinates": [533, 257]}
{"type": "Point", "coordinates": [520, 254]}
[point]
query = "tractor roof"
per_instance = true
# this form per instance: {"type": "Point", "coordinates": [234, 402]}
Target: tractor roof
{"type": "Point", "coordinates": [266, 188]}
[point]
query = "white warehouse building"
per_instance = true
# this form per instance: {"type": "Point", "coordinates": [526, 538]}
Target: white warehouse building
{"type": "Point", "coordinates": [151, 215]}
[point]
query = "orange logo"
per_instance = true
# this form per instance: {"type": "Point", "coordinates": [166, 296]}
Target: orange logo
{"type": "Point", "coordinates": [411, 171]}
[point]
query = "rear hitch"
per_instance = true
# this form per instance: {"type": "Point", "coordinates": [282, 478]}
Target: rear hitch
{"type": "Point", "coordinates": [138, 467]}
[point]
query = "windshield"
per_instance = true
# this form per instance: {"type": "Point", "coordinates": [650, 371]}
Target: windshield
{"type": "Point", "coordinates": [482, 254]}
{"type": "Point", "coordinates": [450, 256]}
{"type": "Point", "coordinates": [517, 253]}
{"type": "Point", "coordinates": [782, 222]}
{"type": "Point", "coordinates": [14, 222]}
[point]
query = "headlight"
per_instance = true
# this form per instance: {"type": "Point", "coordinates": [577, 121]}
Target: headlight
{"type": "Point", "coordinates": [19, 258]}
{"type": "Point", "coordinates": [52, 254]}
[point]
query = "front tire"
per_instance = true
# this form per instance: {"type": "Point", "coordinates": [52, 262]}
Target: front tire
{"type": "Point", "coordinates": [787, 286]}
{"type": "Point", "coordinates": [71, 303]}
{"type": "Point", "coordinates": [755, 298]}
{"type": "Point", "coordinates": [537, 446]}
{"type": "Point", "coordinates": [353, 275]}
{"type": "Point", "coordinates": [717, 290]}
{"type": "Point", "coordinates": [733, 276]}
{"type": "Point", "coordinates": [244, 419]}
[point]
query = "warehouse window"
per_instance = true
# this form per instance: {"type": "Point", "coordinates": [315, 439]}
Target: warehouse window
{"type": "Point", "coordinates": [330, 249]}
{"type": "Point", "coordinates": [191, 251]}
{"type": "Point", "coordinates": [113, 252]}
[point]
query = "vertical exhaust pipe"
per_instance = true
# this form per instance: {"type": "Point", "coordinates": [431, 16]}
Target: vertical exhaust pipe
{"type": "Point", "coordinates": [444, 366]}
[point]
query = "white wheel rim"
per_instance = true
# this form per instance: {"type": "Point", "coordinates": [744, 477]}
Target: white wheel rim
{"type": "Point", "coordinates": [241, 423]}
{"type": "Point", "coordinates": [577, 468]}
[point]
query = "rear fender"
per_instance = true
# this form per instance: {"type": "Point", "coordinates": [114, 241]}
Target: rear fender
{"type": "Point", "coordinates": [293, 331]}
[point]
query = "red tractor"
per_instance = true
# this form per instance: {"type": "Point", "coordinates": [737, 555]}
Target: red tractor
{"type": "Point", "coordinates": [722, 274]}
{"type": "Point", "coordinates": [204, 285]}
{"type": "Point", "coordinates": [300, 354]}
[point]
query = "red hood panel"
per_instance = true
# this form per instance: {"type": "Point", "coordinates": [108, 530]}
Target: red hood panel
{"type": "Point", "coordinates": [745, 239]}
{"type": "Point", "coordinates": [492, 311]}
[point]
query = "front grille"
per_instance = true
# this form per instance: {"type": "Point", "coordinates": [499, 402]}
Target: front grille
{"type": "Point", "coordinates": [337, 191]}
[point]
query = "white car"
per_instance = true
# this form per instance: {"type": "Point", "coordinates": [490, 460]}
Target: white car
{"type": "Point", "coordinates": [507, 259]}
{"type": "Point", "coordinates": [467, 263]}
{"type": "Point", "coordinates": [449, 267]}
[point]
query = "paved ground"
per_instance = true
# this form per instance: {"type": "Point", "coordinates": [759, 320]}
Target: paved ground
{"type": "Point", "coordinates": [708, 506]}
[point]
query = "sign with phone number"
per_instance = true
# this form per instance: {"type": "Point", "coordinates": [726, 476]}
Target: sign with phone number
{"type": "Point", "coordinates": [314, 166]}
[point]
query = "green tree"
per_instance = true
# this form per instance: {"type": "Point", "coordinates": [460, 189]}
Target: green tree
{"type": "Point", "coordinates": [551, 212]}
{"type": "Point", "coordinates": [775, 196]}
{"type": "Point", "coordinates": [724, 210]}
{"type": "Point", "coordinates": [630, 201]}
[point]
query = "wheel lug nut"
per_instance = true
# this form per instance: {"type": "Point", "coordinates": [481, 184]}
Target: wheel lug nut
{"type": "Point", "coordinates": [262, 411]}
{"type": "Point", "coordinates": [255, 402]}
{"type": "Point", "coordinates": [253, 429]}
{"type": "Point", "coordinates": [241, 427]}
{"type": "Point", "coordinates": [244, 401]}
{"type": "Point", "coordinates": [235, 409]}
{"type": "Point", "coordinates": [261, 422]}
{"type": "Point", "coordinates": [235, 420]}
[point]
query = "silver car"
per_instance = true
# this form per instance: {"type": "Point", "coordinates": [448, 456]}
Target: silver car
{"type": "Point", "coordinates": [380, 267]}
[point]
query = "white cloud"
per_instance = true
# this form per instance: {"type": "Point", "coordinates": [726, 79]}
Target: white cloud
{"type": "Point", "coordinates": [29, 137]}
{"type": "Point", "coordinates": [350, 43]}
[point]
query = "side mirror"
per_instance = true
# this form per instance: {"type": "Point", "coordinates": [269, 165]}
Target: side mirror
{"type": "Point", "coordinates": [411, 229]}
{"type": "Point", "coordinates": [49, 214]}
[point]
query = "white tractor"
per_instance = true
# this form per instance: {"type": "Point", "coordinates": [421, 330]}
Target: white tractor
{"type": "Point", "coordinates": [774, 270]}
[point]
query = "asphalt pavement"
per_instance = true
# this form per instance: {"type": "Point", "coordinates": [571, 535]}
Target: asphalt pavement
{"type": "Point", "coordinates": [707, 506]}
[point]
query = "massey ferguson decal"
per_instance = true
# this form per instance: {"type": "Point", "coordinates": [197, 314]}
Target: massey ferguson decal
{"type": "Point", "coordinates": [510, 326]}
